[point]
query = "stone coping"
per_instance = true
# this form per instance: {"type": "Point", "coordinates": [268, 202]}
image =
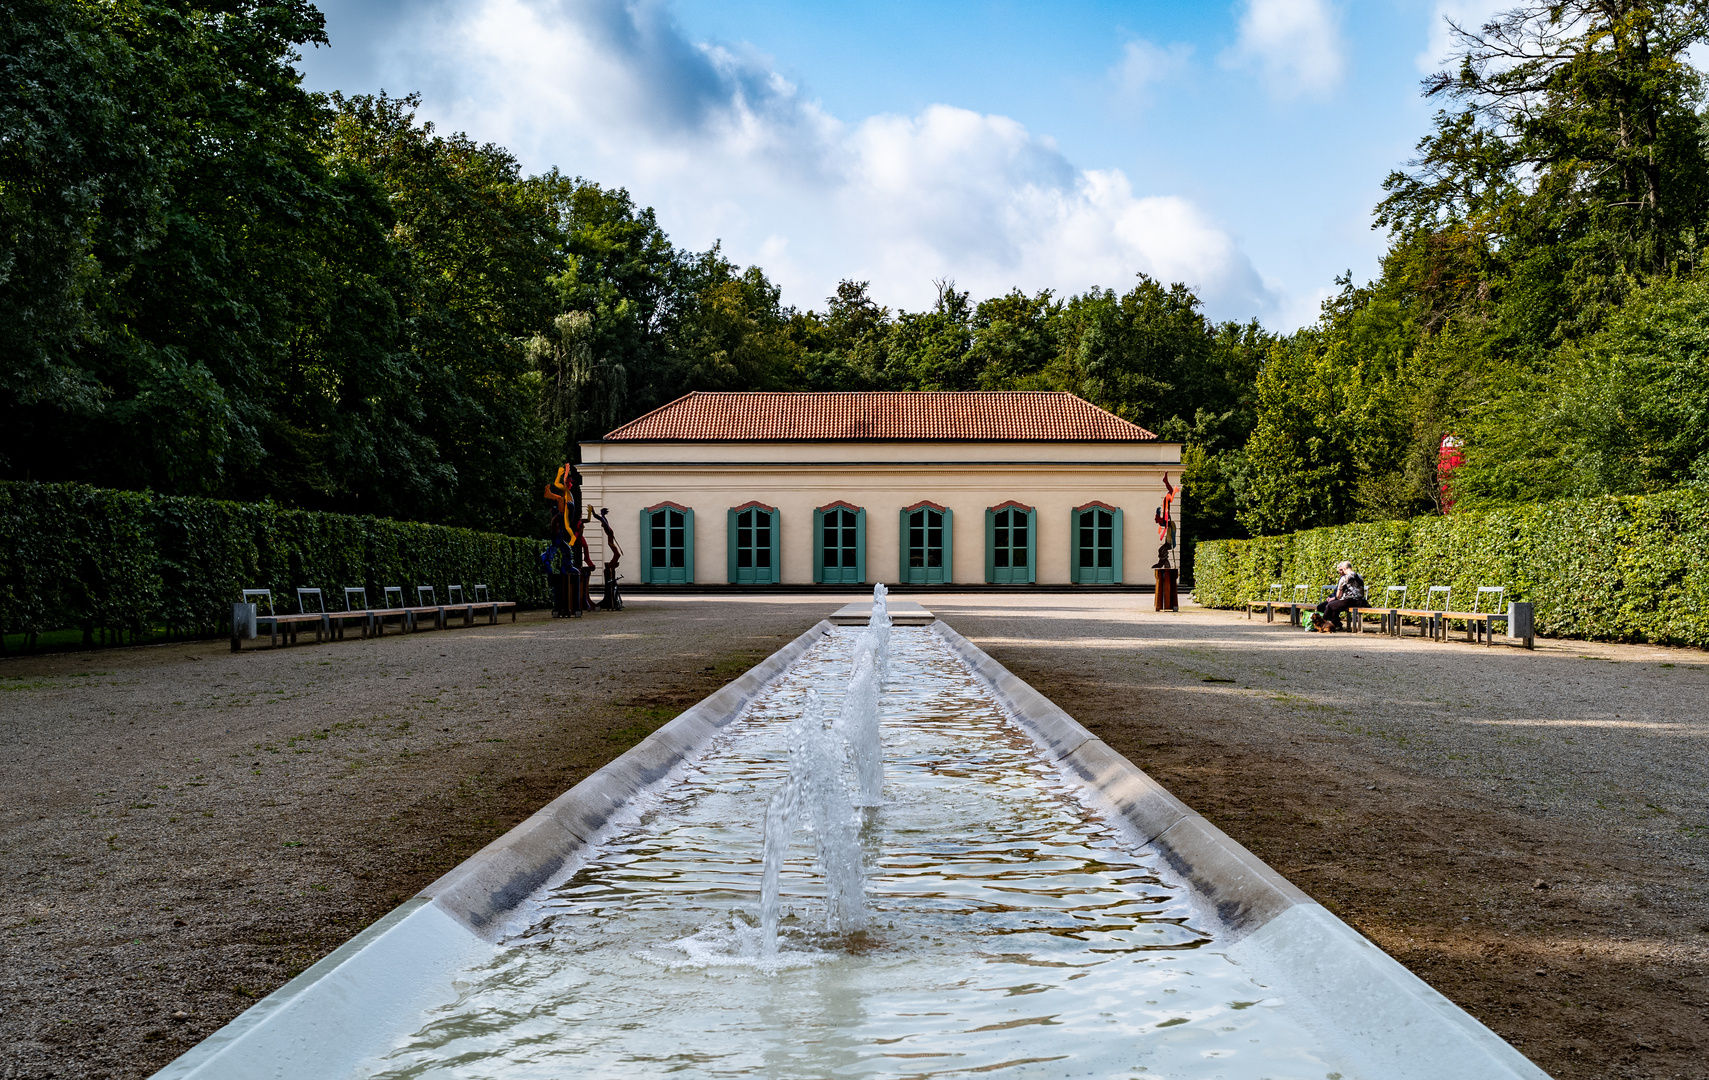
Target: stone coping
{"type": "Point", "coordinates": [352, 1005]}
{"type": "Point", "coordinates": [1359, 999]}
{"type": "Point", "coordinates": [902, 613]}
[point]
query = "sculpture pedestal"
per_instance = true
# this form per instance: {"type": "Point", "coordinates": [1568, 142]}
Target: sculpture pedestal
{"type": "Point", "coordinates": [1164, 596]}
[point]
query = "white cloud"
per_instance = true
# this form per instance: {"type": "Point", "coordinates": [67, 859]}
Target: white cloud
{"type": "Point", "coordinates": [1144, 65]}
{"type": "Point", "coordinates": [726, 148]}
{"type": "Point", "coordinates": [1295, 45]}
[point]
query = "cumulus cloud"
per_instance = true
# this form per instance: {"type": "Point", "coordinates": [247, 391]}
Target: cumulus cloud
{"type": "Point", "coordinates": [728, 149]}
{"type": "Point", "coordinates": [1295, 45]}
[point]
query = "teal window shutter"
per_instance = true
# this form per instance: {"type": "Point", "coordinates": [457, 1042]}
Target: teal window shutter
{"type": "Point", "coordinates": [1074, 546]}
{"type": "Point", "coordinates": [1117, 553]}
{"type": "Point", "coordinates": [902, 546]}
{"type": "Point", "coordinates": [818, 546]}
{"type": "Point", "coordinates": [949, 543]}
{"type": "Point", "coordinates": [776, 550]}
{"type": "Point", "coordinates": [1032, 546]}
{"type": "Point", "coordinates": [730, 542]}
{"type": "Point", "coordinates": [688, 543]}
{"type": "Point", "coordinates": [646, 547]}
{"type": "Point", "coordinates": [990, 545]}
{"type": "Point", "coordinates": [860, 544]}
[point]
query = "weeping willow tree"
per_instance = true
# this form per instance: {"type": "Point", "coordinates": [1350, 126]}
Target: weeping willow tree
{"type": "Point", "coordinates": [582, 394]}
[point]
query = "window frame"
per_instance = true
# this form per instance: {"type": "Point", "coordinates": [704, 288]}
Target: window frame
{"type": "Point", "coordinates": [819, 541]}
{"type": "Point", "coordinates": [774, 575]}
{"type": "Point", "coordinates": [991, 543]}
{"type": "Point", "coordinates": [948, 543]}
{"type": "Point", "coordinates": [656, 575]}
{"type": "Point", "coordinates": [1117, 542]}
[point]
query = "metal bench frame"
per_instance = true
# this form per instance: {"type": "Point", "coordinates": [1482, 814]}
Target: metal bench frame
{"type": "Point", "coordinates": [1478, 622]}
{"type": "Point", "coordinates": [1386, 614]}
{"type": "Point", "coordinates": [286, 626]}
{"type": "Point", "coordinates": [1270, 604]}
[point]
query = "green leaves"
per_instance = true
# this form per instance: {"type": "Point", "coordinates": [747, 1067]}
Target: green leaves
{"type": "Point", "coordinates": [1607, 569]}
{"type": "Point", "coordinates": [76, 556]}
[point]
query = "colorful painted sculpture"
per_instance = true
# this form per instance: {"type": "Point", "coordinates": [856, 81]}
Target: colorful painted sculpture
{"type": "Point", "coordinates": [1166, 574]}
{"type": "Point", "coordinates": [561, 557]}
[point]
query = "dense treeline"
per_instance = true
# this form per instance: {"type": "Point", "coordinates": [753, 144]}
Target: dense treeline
{"type": "Point", "coordinates": [214, 282]}
{"type": "Point", "coordinates": [1541, 307]}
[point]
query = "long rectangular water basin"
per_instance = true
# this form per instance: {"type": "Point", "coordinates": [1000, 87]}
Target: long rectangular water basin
{"type": "Point", "coordinates": [1019, 925]}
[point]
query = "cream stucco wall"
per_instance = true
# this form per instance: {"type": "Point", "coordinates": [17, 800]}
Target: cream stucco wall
{"type": "Point", "coordinates": [797, 478]}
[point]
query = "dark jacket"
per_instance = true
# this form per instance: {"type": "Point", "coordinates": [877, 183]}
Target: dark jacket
{"type": "Point", "coordinates": [1350, 587]}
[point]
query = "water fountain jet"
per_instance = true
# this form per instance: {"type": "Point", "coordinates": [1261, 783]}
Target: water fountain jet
{"type": "Point", "coordinates": [814, 790]}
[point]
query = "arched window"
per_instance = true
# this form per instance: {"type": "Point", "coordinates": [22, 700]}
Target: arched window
{"type": "Point", "coordinates": [928, 543]}
{"type": "Point", "coordinates": [753, 545]}
{"type": "Point", "coordinates": [1095, 545]}
{"type": "Point", "coordinates": [1011, 544]}
{"type": "Point", "coordinates": [667, 544]}
{"type": "Point", "coordinates": [839, 544]}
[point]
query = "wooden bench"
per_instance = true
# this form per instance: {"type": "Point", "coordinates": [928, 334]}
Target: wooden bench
{"type": "Point", "coordinates": [1386, 613]}
{"type": "Point", "coordinates": [483, 599]}
{"type": "Point", "coordinates": [431, 608]}
{"type": "Point", "coordinates": [331, 624]}
{"type": "Point", "coordinates": [286, 626]}
{"type": "Point", "coordinates": [1434, 621]}
{"type": "Point", "coordinates": [1477, 620]}
{"type": "Point", "coordinates": [355, 608]}
{"type": "Point", "coordinates": [1429, 616]}
{"type": "Point", "coordinates": [389, 610]}
{"type": "Point", "coordinates": [1293, 607]}
{"type": "Point", "coordinates": [1269, 604]}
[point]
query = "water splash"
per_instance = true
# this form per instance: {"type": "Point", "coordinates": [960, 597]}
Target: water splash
{"type": "Point", "coordinates": [815, 791]}
{"type": "Point", "coordinates": [815, 786]}
{"type": "Point", "coordinates": [857, 723]}
{"type": "Point", "coordinates": [858, 726]}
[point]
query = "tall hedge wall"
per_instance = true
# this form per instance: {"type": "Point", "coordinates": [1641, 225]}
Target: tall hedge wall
{"type": "Point", "coordinates": [77, 556]}
{"type": "Point", "coordinates": [1607, 569]}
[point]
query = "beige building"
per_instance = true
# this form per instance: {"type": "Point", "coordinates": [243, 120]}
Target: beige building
{"type": "Point", "coordinates": [857, 488]}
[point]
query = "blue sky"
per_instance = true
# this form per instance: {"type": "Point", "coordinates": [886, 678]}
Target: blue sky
{"type": "Point", "coordinates": [1238, 147]}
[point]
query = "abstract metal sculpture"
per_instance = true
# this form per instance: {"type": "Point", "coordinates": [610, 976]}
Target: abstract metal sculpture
{"type": "Point", "coordinates": [613, 600]}
{"type": "Point", "coordinates": [1166, 574]}
{"type": "Point", "coordinates": [561, 557]}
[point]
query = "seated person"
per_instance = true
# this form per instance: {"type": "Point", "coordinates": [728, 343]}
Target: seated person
{"type": "Point", "coordinates": [1349, 593]}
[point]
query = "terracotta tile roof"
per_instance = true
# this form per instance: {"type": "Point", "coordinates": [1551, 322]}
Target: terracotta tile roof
{"type": "Point", "coordinates": [977, 415]}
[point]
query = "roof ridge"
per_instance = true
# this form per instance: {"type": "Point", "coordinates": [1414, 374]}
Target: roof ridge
{"type": "Point", "coordinates": [886, 415]}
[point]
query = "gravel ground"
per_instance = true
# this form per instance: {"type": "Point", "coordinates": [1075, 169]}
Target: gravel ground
{"type": "Point", "coordinates": [1524, 830]}
{"type": "Point", "coordinates": [184, 829]}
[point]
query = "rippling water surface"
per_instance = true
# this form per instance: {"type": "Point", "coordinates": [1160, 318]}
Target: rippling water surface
{"type": "Point", "coordinates": [1014, 933]}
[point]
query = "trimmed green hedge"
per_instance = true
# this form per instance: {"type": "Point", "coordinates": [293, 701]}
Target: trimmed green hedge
{"type": "Point", "coordinates": [77, 556]}
{"type": "Point", "coordinates": [1607, 569]}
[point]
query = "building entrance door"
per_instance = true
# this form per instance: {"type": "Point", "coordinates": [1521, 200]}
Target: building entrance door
{"type": "Point", "coordinates": [669, 545]}
{"type": "Point", "coordinates": [1009, 547]}
{"type": "Point", "coordinates": [1096, 547]}
{"type": "Point", "coordinates": [753, 548]}
{"type": "Point", "coordinates": [925, 542]}
{"type": "Point", "coordinates": [841, 550]}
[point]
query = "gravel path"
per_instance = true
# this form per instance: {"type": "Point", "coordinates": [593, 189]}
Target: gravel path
{"type": "Point", "coordinates": [1524, 830]}
{"type": "Point", "coordinates": [183, 829]}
